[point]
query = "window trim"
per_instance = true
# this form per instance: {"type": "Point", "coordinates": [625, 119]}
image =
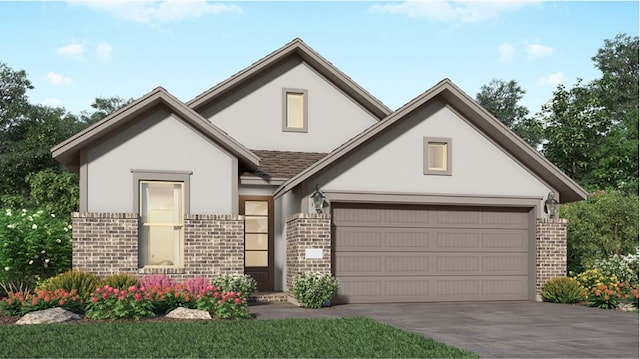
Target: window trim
{"type": "Point", "coordinates": [305, 110]}
{"type": "Point", "coordinates": [140, 176]}
{"type": "Point", "coordinates": [425, 151]}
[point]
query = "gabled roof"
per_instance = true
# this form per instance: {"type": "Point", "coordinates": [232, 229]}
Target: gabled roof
{"type": "Point", "coordinates": [448, 92]}
{"type": "Point", "coordinates": [294, 48]}
{"type": "Point", "coordinates": [68, 152]}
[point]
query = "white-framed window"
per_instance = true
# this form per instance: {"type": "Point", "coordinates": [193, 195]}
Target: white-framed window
{"type": "Point", "coordinates": [161, 200]}
{"type": "Point", "coordinates": [161, 223]}
{"type": "Point", "coordinates": [294, 109]}
{"type": "Point", "coordinates": [437, 156]}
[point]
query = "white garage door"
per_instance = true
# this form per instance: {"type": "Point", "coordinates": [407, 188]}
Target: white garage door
{"type": "Point", "coordinates": [422, 254]}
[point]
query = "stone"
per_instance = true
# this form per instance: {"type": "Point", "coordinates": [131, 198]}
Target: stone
{"type": "Point", "coordinates": [48, 316]}
{"type": "Point", "coordinates": [184, 313]}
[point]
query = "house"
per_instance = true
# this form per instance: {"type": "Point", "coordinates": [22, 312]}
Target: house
{"type": "Point", "coordinates": [436, 201]}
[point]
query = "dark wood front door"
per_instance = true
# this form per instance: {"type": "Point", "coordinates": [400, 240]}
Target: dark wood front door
{"type": "Point", "coordinates": [258, 239]}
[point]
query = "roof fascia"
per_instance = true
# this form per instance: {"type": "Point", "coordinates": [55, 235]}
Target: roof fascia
{"type": "Point", "coordinates": [307, 54]}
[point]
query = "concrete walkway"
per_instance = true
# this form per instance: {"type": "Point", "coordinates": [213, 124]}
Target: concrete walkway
{"type": "Point", "coordinates": [496, 329]}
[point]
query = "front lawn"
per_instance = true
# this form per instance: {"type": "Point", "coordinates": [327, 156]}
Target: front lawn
{"type": "Point", "coordinates": [310, 338]}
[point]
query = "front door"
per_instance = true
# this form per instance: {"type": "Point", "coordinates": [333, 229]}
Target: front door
{"type": "Point", "coordinates": [258, 239]}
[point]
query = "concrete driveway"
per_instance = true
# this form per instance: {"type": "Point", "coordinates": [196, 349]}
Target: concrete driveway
{"type": "Point", "coordinates": [496, 329]}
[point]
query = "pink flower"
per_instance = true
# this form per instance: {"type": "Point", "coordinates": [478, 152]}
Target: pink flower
{"type": "Point", "coordinates": [105, 295]}
{"type": "Point", "coordinates": [94, 299]}
{"type": "Point", "coordinates": [123, 293]}
{"type": "Point", "coordinates": [216, 295]}
{"type": "Point", "coordinates": [137, 296]}
{"type": "Point", "coordinates": [61, 302]}
{"type": "Point", "coordinates": [238, 301]}
{"type": "Point", "coordinates": [219, 302]}
{"type": "Point", "coordinates": [98, 290]}
{"type": "Point", "coordinates": [132, 289]}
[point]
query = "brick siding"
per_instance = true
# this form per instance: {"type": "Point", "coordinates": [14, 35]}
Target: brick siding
{"type": "Point", "coordinates": [551, 250]}
{"type": "Point", "coordinates": [308, 231]}
{"type": "Point", "coordinates": [107, 243]}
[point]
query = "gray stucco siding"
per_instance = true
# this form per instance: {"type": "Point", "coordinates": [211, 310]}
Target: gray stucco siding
{"type": "Point", "coordinates": [255, 119]}
{"type": "Point", "coordinates": [160, 141]}
{"type": "Point", "coordinates": [393, 162]}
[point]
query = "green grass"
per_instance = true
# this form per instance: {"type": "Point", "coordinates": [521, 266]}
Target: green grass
{"type": "Point", "coordinates": [310, 338]}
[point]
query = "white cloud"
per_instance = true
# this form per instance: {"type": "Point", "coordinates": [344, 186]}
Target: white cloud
{"type": "Point", "coordinates": [51, 101]}
{"type": "Point", "coordinates": [71, 50]}
{"type": "Point", "coordinates": [554, 79]}
{"type": "Point", "coordinates": [58, 80]}
{"type": "Point", "coordinates": [150, 11]}
{"type": "Point", "coordinates": [506, 51]}
{"type": "Point", "coordinates": [452, 10]}
{"type": "Point", "coordinates": [103, 51]}
{"type": "Point", "coordinates": [538, 50]}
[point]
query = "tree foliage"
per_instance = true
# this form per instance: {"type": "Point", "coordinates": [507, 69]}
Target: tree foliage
{"type": "Point", "coordinates": [502, 99]}
{"type": "Point", "coordinates": [27, 133]}
{"type": "Point", "coordinates": [600, 227]}
{"type": "Point", "coordinates": [591, 130]}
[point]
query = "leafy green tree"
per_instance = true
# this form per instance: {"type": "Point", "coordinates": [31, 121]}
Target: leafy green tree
{"type": "Point", "coordinates": [103, 107]}
{"type": "Point", "coordinates": [502, 99]}
{"type": "Point", "coordinates": [603, 225]}
{"type": "Point", "coordinates": [591, 130]}
{"type": "Point", "coordinates": [54, 192]}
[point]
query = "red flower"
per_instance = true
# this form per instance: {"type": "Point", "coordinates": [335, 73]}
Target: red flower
{"type": "Point", "coordinates": [137, 296]}
{"type": "Point", "coordinates": [132, 289]}
{"type": "Point", "coordinates": [61, 302]}
{"type": "Point", "coordinates": [94, 299]}
{"type": "Point", "coordinates": [238, 301]}
{"type": "Point", "coordinates": [105, 295]}
{"type": "Point", "coordinates": [98, 290]}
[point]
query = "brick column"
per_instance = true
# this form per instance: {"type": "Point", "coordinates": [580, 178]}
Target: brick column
{"type": "Point", "coordinates": [105, 243]}
{"type": "Point", "coordinates": [551, 250]}
{"type": "Point", "coordinates": [308, 231]}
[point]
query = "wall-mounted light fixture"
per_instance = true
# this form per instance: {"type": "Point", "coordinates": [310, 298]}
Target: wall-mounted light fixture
{"type": "Point", "coordinates": [551, 206]}
{"type": "Point", "coordinates": [318, 199]}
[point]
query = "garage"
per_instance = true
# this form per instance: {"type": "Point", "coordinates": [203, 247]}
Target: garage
{"type": "Point", "coordinates": [406, 253]}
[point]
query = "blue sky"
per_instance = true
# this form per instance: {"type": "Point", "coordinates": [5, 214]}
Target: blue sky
{"type": "Point", "coordinates": [76, 51]}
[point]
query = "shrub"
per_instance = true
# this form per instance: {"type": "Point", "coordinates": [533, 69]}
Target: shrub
{"type": "Point", "coordinates": [84, 283]}
{"type": "Point", "coordinates": [196, 285]}
{"type": "Point", "coordinates": [312, 290]}
{"type": "Point", "coordinates": [224, 305]}
{"type": "Point", "coordinates": [120, 280]}
{"type": "Point", "coordinates": [110, 303]}
{"type": "Point", "coordinates": [12, 304]}
{"type": "Point", "coordinates": [563, 290]}
{"type": "Point", "coordinates": [156, 280]}
{"type": "Point", "coordinates": [244, 284]}
{"type": "Point", "coordinates": [625, 268]}
{"type": "Point", "coordinates": [45, 299]}
{"type": "Point", "coordinates": [35, 246]}
{"type": "Point", "coordinates": [603, 225]}
{"type": "Point", "coordinates": [166, 299]}
{"type": "Point", "coordinates": [593, 277]}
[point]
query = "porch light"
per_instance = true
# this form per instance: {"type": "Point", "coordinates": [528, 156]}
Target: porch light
{"type": "Point", "coordinates": [318, 199]}
{"type": "Point", "coordinates": [551, 206]}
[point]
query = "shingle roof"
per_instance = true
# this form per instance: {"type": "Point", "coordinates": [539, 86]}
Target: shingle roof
{"type": "Point", "coordinates": [283, 164]}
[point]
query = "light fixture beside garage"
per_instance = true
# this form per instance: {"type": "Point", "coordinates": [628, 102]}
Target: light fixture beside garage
{"type": "Point", "coordinates": [551, 206]}
{"type": "Point", "coordinates": [318, 200]}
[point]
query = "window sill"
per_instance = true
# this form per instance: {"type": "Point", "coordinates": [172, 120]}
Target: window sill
{"type": "Point", "coordinates": [161, 270]}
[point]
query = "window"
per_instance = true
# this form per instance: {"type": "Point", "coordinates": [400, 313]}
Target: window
{"type": "Point", "coordinates": [161, 220]}
{"type": "Point", "coordinates": [161, 198]}
{"type": "Point", "coordinates": [294, 110]}
{"type": "Point", "coordinates": [437, 156]}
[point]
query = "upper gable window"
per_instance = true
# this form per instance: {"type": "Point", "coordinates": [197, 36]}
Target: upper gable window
{"type": "Point", "coordinates": [437, 156]}
{"type": "Point", "coordinates": [294, 110]}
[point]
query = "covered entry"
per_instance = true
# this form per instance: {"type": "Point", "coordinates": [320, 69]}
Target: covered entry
{"type": "Point", "coordinates": [406, 253]}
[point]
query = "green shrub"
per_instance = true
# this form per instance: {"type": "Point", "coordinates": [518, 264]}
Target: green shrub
{"type": "Point", "coordinates": [243, 284]}
{"type": "Point", "coordinates": [84, 283]}
{"type": "Point", "coordinates": [313, 290]}
{"type": "Point", "coordinates": [563, 290]}
{"type": "Point", "coordinates": [111, 303]}
{"type": "Point", "coordinates": [120, 280]}
{"type": "Point", "coordinates": [603, 225]}
{"type": "Point", "coordinates": [593, 277]}
{"type": "Point", "coordinates": [34, 246]}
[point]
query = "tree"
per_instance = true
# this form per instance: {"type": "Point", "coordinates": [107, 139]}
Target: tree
{"type": "Point", "coordinates": [103, 107]}
{"type": "Point", "coordinates": [502, 99]}
{"type": "Point", "coordinates": [591, 130]}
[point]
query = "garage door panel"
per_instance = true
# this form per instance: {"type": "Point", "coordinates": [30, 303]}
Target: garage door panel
{"type": "Point", "coordinates": [431, 289]}
{"type": "Point", "coordinates": [416, 254]}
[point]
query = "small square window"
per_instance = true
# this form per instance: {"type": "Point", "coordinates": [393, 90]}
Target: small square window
{"type": "Point", "coordinates": [437, 156]}
{"type": "Point", "coordinates": [294, 110]}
